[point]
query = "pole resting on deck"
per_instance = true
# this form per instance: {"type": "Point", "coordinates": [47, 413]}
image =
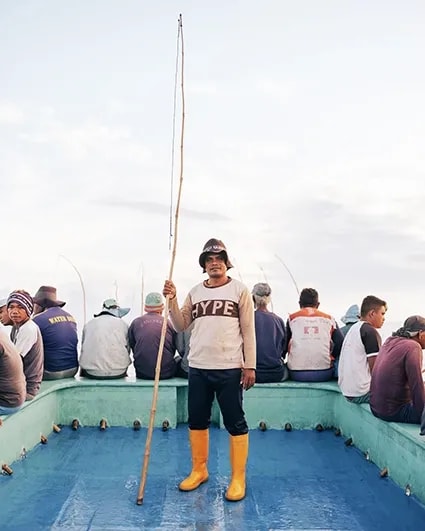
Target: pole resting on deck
{"type": "Point", "coordinates": [144, 471]}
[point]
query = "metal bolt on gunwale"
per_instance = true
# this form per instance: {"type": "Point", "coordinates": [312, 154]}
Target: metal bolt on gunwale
{"type": "Point", "coordinates": [384, 472]}
{"type": "Point", "coordinates": [6, 470]}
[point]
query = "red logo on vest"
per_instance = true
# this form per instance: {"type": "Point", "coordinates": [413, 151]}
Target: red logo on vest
{"type": "Point", "coordinates": [308, 330]}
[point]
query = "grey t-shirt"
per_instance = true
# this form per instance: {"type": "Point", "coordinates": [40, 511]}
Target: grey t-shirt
{"type": "Point", "coordinates": [29, 343]}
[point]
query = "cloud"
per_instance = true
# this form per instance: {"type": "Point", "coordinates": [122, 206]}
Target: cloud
{"type": "Point", "coordinates": [161, 209]}
{"type": "Point", "coordinates": [202, 88]}
{"type": "Point", "coordinates": [280, 91]}
{"type": "Point", "coordinates": [11, 114]}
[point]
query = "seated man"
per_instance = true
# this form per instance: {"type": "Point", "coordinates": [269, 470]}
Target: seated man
{"type": "Point", "coordinates": [105, 352]}
{"type": "Point", "coordinates": [144, 337]}
{"type": "Point", "coordinates": [59, 332]}
{"type": "Point", "coordinates": [26, 336]}
{"type": "Point", "coordinates": [359, 350]}
{"type": "Point", "coordinates": [12, 378]}
{"type": "Point", "coordinates": [183, 349]}
{"type": "Point", "coordinates": [270, 338]}
{"type": "Point", "coordinates": [397, 392]}
{"type": "Point", "coordinates": [352, 315]}
{"type": "Point", "coordinates": [314, 341]}
{"type": "Point", "coordinates": [4, 314]}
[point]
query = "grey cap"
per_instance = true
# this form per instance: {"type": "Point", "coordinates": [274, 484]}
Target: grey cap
{"type": "Point", "coordinates": [3, 302]}
{"type": "Point", "coordinates": [262, 289]}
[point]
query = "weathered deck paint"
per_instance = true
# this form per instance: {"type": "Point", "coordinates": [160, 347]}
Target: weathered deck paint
{"type": "Point", "coordinates": [88, 479]}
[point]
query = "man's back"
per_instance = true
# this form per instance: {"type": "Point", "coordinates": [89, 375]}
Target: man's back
{"type": "Point", "coordinates": [144, 337]}
{"type": "Point", "coordinates": [271, 339]}
{"type": "Point", "coordinates": [59, 331]}
{"type": "Point", "coordinates": [310, 341]}
{"type": "Point", "coordinates": [397, 377]}
{"type": "Point", "coordinates": [104, 349]}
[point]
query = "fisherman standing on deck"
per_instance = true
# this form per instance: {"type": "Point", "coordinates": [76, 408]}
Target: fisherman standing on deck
{"type": "Point", "coordinates": [221, 362]}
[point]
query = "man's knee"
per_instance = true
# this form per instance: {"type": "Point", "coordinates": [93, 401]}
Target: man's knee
{"type": "Point", "coordinates": [237, 428]}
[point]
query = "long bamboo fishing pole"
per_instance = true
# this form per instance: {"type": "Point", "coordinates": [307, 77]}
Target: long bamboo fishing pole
{"type": "Point", "coordinates": [144, 472]}
{"type": "Point", "coordinates": [81, 282]}
{"type": "Point", "coordinates": [289, 272]}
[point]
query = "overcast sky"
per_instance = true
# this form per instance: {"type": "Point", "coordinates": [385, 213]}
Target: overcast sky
{"type": "Point", "coordinates": [304, 140]}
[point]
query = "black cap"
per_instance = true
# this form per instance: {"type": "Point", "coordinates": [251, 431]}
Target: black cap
{"type": "Point", "coordinates": [415, 323]}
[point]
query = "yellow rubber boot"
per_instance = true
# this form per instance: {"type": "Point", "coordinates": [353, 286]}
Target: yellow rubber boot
{"type": "Point", "coordinates": [199, 441]}
{"type": "Point", "coordinates": [238, 458]}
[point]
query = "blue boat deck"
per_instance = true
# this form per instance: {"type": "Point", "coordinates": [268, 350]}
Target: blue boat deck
{"type": "Point", "coordinates": [297, 480]}
{"type": "Point", "coordinates": [88, 480]}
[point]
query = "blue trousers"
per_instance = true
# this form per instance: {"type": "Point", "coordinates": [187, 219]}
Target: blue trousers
{"type": "Point", "coordinates": [323, 375]}
{"type": "Point", "coordinates": [225, 384]}
{"type": "Point", "coordinates": [9, 410]}
{"type": "Point", "coordinates": [406, 414]}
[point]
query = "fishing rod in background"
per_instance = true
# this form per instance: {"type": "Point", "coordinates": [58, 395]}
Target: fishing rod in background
{"type": "Point", "coordinates": [289, 272]}
{"type": "Point", "coordinates": [81, 283]}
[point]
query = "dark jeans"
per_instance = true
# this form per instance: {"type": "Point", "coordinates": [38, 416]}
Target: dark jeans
{"type": "Point", "coordinates": [363, 399]}
{"type": "Point", "coordinates": [323, 375]}
{"type": "Point", "coordinates": [279, 374]}
{"type": "Point", "coordinates": [225, 384]}
{"type": "Point", "coordinates": [406, 414]}
{"type": "Point", "coordinates": [84, 373]}
{"type": "Point", "coordinates": [58, 375]}
{"type": "Point", "coordinates": [181, 373]}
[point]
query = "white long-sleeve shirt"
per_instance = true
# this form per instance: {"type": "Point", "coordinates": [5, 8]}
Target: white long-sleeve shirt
{"type": "Point", "coordinates": [104, 348]}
